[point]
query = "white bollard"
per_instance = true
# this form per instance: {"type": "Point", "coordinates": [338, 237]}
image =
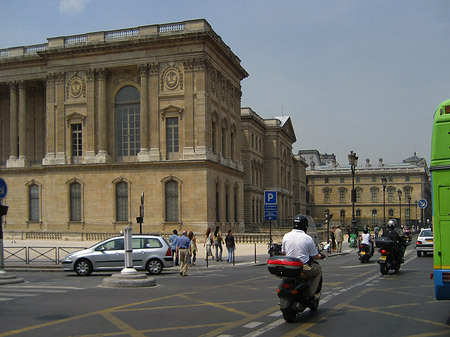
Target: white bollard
{"type": "Point", "coordinates": [128, 246]}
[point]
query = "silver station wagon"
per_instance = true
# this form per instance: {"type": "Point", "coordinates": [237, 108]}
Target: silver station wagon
{"type": "Point", "coordinates": [150, 252]}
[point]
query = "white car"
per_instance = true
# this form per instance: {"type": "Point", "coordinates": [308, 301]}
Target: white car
{"type": "Point", "coordinates": [150, 252]}
{"type": "Point", "coordinates": [424, 242]}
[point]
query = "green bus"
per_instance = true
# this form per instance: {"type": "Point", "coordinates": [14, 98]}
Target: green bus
{"type": "Point", "coordinates": [440, 181]}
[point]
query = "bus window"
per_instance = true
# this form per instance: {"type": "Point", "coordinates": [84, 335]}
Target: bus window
{"type": "Point", "coordinates": [444, 200]}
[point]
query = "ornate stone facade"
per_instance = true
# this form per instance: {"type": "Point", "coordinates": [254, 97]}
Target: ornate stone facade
{"type": "Point", "coordinates": [89, 122]}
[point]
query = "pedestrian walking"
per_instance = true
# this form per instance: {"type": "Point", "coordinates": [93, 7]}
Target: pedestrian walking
{"type": "Point", "coordinates": [218, 240]}
{"type": "Point", "coordinates": [333, 239]}
{"type": "Point", "coordinates": [208, 243]}
{"type": "Point", "coordinates": [339, 238]}
{"type": "Point", "coordinates": [173, 239]}
{"type": "Point", "coordinates": [231, 247]}
{"type": "Point", "coordinates": [184, 250]}
{"type": "Point", "coordinates": [376, 230]}
{"type": "Point", "coordinates": [193, 256]}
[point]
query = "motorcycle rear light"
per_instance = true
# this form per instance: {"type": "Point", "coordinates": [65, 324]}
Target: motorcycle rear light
{"type": "Point", "coordinates": [294, 292]}
{"type": "Point", "coordinates": [169, 252]}
{"type": "Point", "coordinates": [431, 275]}
{"type": "Point", "coordinates": [384, 251]}
{"type": "Point", "coordinates": [286, 285]}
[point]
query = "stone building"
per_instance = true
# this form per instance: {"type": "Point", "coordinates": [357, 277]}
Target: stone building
{"type": "Point", "coordinates": [90, 122]}
{"type": "Point", "coordinates": [329, 188]}
{"type": "Point", "coordinates": [269, 165]}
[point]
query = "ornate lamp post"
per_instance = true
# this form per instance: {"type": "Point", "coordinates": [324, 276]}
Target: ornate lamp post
{"type": "Point", "coordinates": [353, 162]}
{"type": "Point", "coordinates": [400, 205]}
{"type": "Point", "coordinates": [409, 211]}
{"type": "Point", "coordinates": [384, 181]}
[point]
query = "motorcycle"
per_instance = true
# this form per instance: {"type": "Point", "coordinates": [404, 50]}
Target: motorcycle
{"type": "Point", "coordinates": [353, 240]}
{"type": "Point", "coordinates": [274, 249]}
{"type": "Point", "coordinates": [293, 290]}
{"type": "Point", "coordinates": [388, 259]}
{"type": "Point", "coordinates": [365, 252]}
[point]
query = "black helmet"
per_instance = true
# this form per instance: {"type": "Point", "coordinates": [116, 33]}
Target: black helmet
{"type": "Point", "coordinates": [300, 222]}
{"type": "Point", "coordinates": [365, 230]}
{"type": "Point", "coordinates": [392, 223]}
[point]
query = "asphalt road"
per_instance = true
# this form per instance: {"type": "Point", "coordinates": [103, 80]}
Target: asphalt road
{"type": "Point", "coordinates": [228, 301]}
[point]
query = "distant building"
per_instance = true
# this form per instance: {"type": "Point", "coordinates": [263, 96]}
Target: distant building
{"type": "Point", "coordinates": [329, 188]}
{"type": "Point", "coordinates": [314, 158]}
{"type": "Point", "coordinates": [270, 165]}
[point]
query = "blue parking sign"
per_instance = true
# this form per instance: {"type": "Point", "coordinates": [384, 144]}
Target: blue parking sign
{"type": "Point", "coordinates": [3, 188]}
{"type": "Point", "coordinates": [270, 197]}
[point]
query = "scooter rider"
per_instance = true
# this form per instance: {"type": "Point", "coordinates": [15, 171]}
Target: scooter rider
{"type": "Point", "coordinates": [366, 239]}
{"type": "Point", "coordinates": [298, 244]}
{"type": "Point", "coordinates": [393, 235]}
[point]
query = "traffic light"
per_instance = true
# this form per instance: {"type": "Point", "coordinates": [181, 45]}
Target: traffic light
{"type": "Point", "coordinates": [3, 210]}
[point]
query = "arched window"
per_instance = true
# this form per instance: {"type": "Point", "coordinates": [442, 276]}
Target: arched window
{"type": "Point", "coordinates": [75, 202]}
{"type": "Point", "coordinates": [171, 189]}
{"type": "Point", "coordinates": [128, 123]}
{"type": "Point", "coordinates": [391, 213]}
{"type": "Point", "coordinates": [342, 214]}
{"type": "Point", "coordinates": [34, 203]}
{"type": "Point", "coordinates": [122, 201]}
{"type": "Point", "coordinates": [374, 217]}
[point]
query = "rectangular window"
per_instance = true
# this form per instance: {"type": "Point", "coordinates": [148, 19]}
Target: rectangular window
{"type": "Point", "coordinates": [224, 143]}
{"type": "Point", "coordinates": [34, 203]}
{"type": "Point", "coordinates": [213, 137]}
{"type": "Point", "coordinates": [391, 195]}
{"type": "Point", "coordinates": [227, 218]}
{"type": "Point", "coordinates": [342, 196]}
{"type": "Point", "coordinates": [172, 134]}
{"type": "Point", "coordinates": [358, 195]}
{"type": "Point", "coordinates": [374, 196]}
{"type": "Point", "coordinates": [327, 197]}
{"type": "Point", "coordinates": [75, 202]}
{"type": "Point", "coordinates": [171, 201]}
{"type": "Point", "coordinates": [77, 143]}
{"type": "Point", "coordinates": [122, 201]}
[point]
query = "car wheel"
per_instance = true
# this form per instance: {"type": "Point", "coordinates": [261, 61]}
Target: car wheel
{"type": "Point", "coordinates": [154, 266]}
{"type": "Point", "coordinates": [419, 254]}
{"type": "Point", "coordinates": [83, 267]}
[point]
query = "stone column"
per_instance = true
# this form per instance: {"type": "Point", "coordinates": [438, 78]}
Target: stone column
{"type": "Point", "coordinates": [13, 128]}
{"type": "Point", "coordinates": [22, 122]}
{"type": "Point", "coordinates": [155, 153]}
{"type": "Point", "coordinates": [143, 155]}
{"type": "Point", "coordinates": [60, 119]}
{"type": "Point", "coordinates": [102, 155]}
{"type": "Point", "coordinates": [50, 149]}
{"type": "Point", "coordinates": [89, 153]}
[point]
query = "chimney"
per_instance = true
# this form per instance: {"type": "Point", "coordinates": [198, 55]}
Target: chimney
{"type": "Point", "coordinates": [380, 162]}
{"type": "Point", "coordinates": [367, 162]}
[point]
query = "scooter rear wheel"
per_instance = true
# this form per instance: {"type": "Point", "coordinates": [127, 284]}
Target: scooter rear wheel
{"type": "Point", "coordinates": [289, 315]}
{"type": "Point", "coordinates": [383, 269]}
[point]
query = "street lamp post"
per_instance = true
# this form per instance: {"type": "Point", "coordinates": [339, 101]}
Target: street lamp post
{"type": "Point", "coordinates": [400, 206]}
{"type": "Point", "coordinates": [409, 211]}
{"type": "Point", "coordinates": [384, 181]}
{"type": "Point", "coordinates": [353, 162]}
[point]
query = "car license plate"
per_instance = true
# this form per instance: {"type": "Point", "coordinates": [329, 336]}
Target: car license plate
{"type": "Point", "coordinates": [429, 240]}
{"type": "Point", "coordinates": [363, 253]}
{"type": "Point", "coordinates": [382, 258]}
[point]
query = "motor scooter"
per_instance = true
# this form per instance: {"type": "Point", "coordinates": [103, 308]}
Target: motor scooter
{"type": "Point", "coordinates": [293, 290]}
{"type": "Point", "coordinates": [388, 259]}
{"type": "Point", "coordinates": [365, 252]}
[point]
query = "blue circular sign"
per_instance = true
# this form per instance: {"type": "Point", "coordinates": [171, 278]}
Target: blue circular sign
{"type": "Point", "coordinates": [3, 188]}
{"type": "Point", "coordinates": [422, 203]}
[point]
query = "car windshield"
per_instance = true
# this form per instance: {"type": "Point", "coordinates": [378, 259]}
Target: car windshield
{"type": "Point", "coordinates": [426, 233]}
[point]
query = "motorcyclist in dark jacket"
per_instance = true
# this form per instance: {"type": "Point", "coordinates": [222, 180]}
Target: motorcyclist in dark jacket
{"type": "Point", "coordinates": [399, 241]}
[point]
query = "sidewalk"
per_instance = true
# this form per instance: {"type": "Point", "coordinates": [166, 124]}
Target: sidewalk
{"type": "Point", "coordinates": [245, 254]}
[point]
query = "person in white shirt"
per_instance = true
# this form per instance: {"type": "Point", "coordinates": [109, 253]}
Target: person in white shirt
{"type": "Point", "coordinates": [366, 238]}
{"type": "Point", "coordinates": [298, 244]}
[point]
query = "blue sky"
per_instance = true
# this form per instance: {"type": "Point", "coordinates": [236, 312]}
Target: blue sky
{"type": "Point", "coordinates": [352, 74]}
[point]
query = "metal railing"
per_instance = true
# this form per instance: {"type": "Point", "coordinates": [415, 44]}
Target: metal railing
{"type": "Point", "coordinates": [27, 255]}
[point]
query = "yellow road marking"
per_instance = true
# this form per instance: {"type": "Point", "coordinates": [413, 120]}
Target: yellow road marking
{"type": "Point", "coordinates": [302, 330]}
{"type": "Point", "coordinates": [241, 322]}
{"type": "Point", "coordinates": [122, 325]}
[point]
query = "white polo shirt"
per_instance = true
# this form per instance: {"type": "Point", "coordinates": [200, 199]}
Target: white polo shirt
{"type": "Point", "coordinates": [298, 244]}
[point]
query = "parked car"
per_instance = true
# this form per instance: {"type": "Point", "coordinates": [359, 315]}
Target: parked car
{"type": "Point", "coordinates": [150, 252]}
{"type": "Point", "coordinates": [424, 242]}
